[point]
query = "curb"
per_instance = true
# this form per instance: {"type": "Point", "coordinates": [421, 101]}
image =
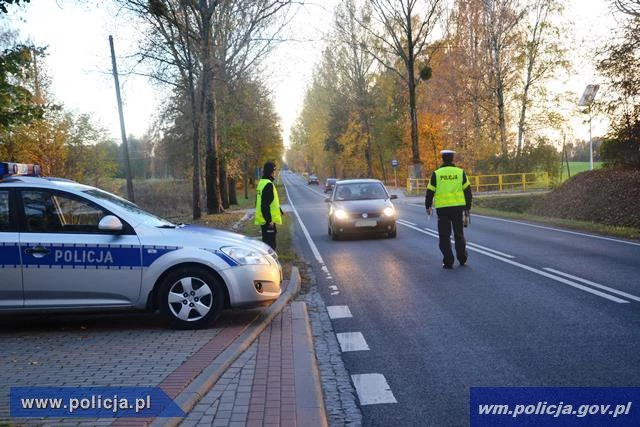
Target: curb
{"type": "Point", "coordinates": [199, 387]}
{"type": "Point", "coordinates": [310, 410]}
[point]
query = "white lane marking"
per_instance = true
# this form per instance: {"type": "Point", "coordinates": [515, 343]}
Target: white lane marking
{"type": "Point", "coordinates": [335, 293]}
{"type": "Point", "coordinates": [408, 222]}
{"type": "Point", "coordinates": [314, 249]}
{"type": "Point", "coordinates": [537, 271]}
{"type": "Point", "coordinates": [434, 233]}
{"type": "Point", "coordinates": [490, 250]}
{"type": "Point", "coordinates": [611, 239]}
{"type": "Point", "coordinates": [352, 341]}
{"type": "Point", "coordinates": [339, 311]}
{"type": "Point", "coordinates": [373, 389]}
{"type": "Point", "coordinates": [560, 230]}
{"type": "Point", "coordinates": [594, 284]}
{"type": "Point", "coordinates": [333, 288]}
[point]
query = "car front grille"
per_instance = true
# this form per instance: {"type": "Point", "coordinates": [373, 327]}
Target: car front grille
{"type": "Point", "coordinates": [370, 215]}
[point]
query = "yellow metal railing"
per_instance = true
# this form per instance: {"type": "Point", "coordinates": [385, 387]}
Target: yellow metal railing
{"type": "Point", "coordinates": [499, 182]}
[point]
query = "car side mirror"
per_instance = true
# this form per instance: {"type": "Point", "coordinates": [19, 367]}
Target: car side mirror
{"type": "Point", "coordinates": [393, 196]}
{"type": "Point", "coordinates": [327, 200]}
{"type": "Point", "coordinates": [110, 223]}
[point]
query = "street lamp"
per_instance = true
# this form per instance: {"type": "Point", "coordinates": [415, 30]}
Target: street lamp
{"type": "Point", "coordinates": [585, 101]}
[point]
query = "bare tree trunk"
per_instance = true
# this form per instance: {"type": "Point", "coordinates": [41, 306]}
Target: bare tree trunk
{"type": "Point", "coordinates": [224, 186]}
{"type": "Point", "coordinates": [246, 180]}
{"type": "Point", "coordinates": [416, 163]}
{"type": "Point", "coordinates": [233, 194]}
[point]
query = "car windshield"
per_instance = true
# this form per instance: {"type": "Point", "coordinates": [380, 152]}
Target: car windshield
{"type": "Point", "coordinates": [144, 216]}
{"type": "Point", "coordinates": [331, 181]}
{"type": "Point", "coordinates": [360, 191]}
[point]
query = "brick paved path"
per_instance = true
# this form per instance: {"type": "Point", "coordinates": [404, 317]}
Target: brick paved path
{"type": "Point", "coordinates": [260, 388]}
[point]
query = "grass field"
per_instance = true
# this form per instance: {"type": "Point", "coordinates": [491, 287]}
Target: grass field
{"type": "Point", "coordinates": [577, 167]}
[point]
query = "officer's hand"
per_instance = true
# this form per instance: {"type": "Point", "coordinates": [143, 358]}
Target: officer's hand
{"type": "Point", "coordinates": [429, 211]}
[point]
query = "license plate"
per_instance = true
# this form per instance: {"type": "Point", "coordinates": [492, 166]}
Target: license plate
{"type": "Point", "coordinates": [367, 223]}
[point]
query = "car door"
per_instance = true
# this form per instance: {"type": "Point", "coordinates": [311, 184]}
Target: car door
{"type": "Point", "coordinates": [11, 295]}
{"type": "Point", "coordinates": [68, 261]}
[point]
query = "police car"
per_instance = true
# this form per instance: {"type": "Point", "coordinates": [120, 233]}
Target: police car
{"type": "Point", "coordinates": [65, 246]}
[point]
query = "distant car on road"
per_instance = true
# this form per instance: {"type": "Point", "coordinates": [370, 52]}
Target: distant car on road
{"type": "Point", "coordinates": [329, 184]}
{"type": "Point", "coordinates": [65, 246]}
{"type": "Point", "coordinates": [313, 179]}
{"type": "Point", "coordinates": [361, 206]}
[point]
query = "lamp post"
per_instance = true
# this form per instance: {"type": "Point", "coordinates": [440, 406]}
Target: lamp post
{"type": "Point", "coordinates": [585, 101]}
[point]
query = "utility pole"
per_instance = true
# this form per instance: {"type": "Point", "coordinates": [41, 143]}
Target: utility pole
{"type": "Point", "coordinates": [127, 165]}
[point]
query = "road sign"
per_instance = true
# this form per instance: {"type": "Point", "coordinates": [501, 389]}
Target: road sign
{"type": "Point", "coordinates": [588, 96]}
{"type": "Point", "coordinates": [394, 163]}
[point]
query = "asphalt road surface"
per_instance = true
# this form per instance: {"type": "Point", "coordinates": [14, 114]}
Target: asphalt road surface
{"type": "Point", "coordinates": [535, 306]}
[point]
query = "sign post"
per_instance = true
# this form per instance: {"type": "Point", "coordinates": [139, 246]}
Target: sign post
{"type": "Point", "coordinates": [394, 165]}
{"type": "Point", "coordinates": [585, 101]}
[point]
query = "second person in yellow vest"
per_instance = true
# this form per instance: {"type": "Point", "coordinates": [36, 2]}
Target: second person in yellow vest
{"type": "Point", "coordinates": [268, 212]}
{"type": "Point", "coordinates": [450, 193]}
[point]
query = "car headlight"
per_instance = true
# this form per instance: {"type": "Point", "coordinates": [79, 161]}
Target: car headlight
{"type": "Point", "coordinates": [389, 211]}
{"type": "Point", "coordinates": [245, 256]}
{"type": "Point", "coordinates": [340, 214]}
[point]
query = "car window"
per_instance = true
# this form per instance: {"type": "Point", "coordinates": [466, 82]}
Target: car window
{"type": "Point", "coordinates": [47, 212]}
{"type": "Point", "coordinates": [360, 191]}
{"type": "Point", "coordinates": [4, 211]}
{"type": "Point", "coordinates": [142, 215]}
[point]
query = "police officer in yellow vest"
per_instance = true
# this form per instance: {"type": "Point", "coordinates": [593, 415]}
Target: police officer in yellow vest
{"type": "Point", "coordinates": [268, 212]}
{"type": "Point", "coordinates": [450, 192]}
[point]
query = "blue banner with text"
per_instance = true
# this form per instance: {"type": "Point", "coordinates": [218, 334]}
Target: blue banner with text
{"type": "Point", "coordinates": [554, 406]}
{"type": "Point", "coordinates": [91, 402]}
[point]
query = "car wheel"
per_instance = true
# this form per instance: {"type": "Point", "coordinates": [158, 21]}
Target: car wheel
{"type": "Point", "coordinates": [334, 234]}
{"type": "Point", "coordinates": [191, 298]}
{"type": "Point", "coordinates": [392, 234]}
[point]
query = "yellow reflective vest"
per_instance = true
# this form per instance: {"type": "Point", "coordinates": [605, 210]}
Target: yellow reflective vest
{"type": "Point", "coordinates": [449, 189]}
{"type": "Point", "coordinates": [274, 207]}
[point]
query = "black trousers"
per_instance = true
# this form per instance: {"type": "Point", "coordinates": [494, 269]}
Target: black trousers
{"type": "Point", "coordinates": [269, 235]}
{"type": "Point", "coordinates": [447, 218]}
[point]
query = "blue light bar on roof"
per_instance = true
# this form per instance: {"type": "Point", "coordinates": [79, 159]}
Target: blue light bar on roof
{"type": "Point", "coordinates": [11, 169]}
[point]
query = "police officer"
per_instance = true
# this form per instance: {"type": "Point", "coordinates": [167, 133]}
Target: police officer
{"type": "Point", "coordinates": [450, 192]}
{"type": "Point", "coordinates": [268, 212]}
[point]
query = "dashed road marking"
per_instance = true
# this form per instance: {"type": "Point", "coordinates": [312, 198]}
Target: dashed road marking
{"type": "Point", "coordinates": [339, 311]}
{"type": "Point", "coordinates": [373, 389]}
{"type": "Point", "coordinates": [352, 341]}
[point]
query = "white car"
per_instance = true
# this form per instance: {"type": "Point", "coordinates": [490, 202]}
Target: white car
{"type": "Point", "coordinates": [65, 246]}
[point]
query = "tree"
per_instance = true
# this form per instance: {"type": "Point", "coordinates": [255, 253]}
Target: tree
{"type": "Point", "coordinates": [542, 54]}
{"type": "Point", "coordinates": [17, 103]}
{"type": "Point", "coordinates": [630, 7]}
{"type": "Point", "coordinates": [404, 36]}
{"type": "Point", "coordinates": [620, 62]}
{"type": "Point", "coordinates": [502, 18]}
{"type": "Point", "coordinates": [173, 45]}
{"type": "Point", "coordinates": [355, 64]}
{"type": "Point", "coordinates": [4, 3]}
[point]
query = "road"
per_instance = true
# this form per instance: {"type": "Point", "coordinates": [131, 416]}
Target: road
{"type": "Point", "coordinates": [535, 306]}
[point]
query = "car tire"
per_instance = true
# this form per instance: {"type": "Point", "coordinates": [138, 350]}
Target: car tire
{"type": "Point", "coordinates": [392, 234]}
{"type": "Point", "coordinates": [334, 235]}
{"type": "Point", "coordinates": [191, 298]}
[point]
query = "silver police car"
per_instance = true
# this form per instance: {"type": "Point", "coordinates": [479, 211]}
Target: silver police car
{"type": "Point", "coordinates": [65, 246]}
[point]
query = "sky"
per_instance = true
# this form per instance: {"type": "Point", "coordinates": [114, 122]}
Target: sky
{"type": "Point", "coordinates": [79, 64]}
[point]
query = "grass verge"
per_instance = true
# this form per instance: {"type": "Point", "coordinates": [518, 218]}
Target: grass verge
{"type": "Point", "coordinates": [608, 230]}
